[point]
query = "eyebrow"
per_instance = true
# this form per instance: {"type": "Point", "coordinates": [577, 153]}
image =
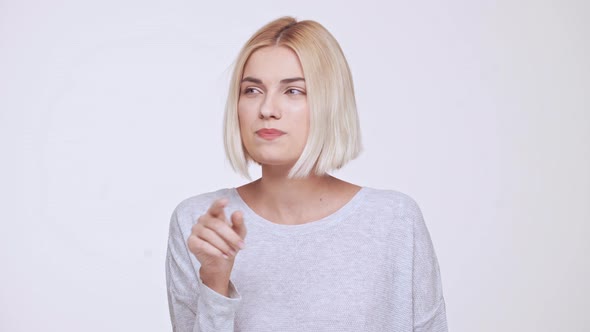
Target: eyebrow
{"type": "Point", "coordinates": [283, 81]}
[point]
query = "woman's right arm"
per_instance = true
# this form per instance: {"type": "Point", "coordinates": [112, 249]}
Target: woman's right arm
{"type": "Point", "coordinates": [194, 306]}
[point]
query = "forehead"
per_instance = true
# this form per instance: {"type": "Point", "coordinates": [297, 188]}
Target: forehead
{"type": "Point", "coordinates": [273, 63]}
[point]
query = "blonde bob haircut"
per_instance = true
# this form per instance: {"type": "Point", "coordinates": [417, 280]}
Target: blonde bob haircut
{"type": "Point", "coordinates": [334, 133]}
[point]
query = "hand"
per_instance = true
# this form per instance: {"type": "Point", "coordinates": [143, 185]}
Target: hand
{"type": "Point", "coordinates": [215, 243]}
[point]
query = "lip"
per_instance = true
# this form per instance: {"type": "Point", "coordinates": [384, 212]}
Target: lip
{"type": "Point", "coordinates": [269, 133]}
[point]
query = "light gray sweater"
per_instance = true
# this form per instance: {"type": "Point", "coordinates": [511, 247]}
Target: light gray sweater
{"type": "Point", "coordinates": [370, 266]}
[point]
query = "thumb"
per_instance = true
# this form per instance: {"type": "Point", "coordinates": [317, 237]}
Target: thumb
{"type": "Point", "coordinates": [237, 219]}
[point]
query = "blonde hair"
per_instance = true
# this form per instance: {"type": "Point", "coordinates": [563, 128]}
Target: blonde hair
{"type": "Point", "coordinates": [334, 133]}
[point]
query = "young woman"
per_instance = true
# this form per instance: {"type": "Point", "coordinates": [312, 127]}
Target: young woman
{"type": "Point", "coordinates": [301, 250]}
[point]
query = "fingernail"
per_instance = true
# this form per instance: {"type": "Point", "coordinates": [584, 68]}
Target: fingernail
{"type": "Point", "coordinates": [232, 252]}
{"type": "Point", "coordinates": [241, 244]}
{"type": "Point", "coordinates": [225, 256]}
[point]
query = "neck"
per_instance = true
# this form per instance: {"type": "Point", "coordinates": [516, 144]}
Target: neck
{"type": "Point", "coordinates": [278, 189]}
{"type": "Point", "coordinates": [289, 201]}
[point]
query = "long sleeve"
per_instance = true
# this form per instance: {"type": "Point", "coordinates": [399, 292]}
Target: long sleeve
{"type": "Point", "coordinates": [429, 304]}
{"type": "Point", "coordinates": [194, 306]}
{"type": "Point", "coordinates": [304, 278]}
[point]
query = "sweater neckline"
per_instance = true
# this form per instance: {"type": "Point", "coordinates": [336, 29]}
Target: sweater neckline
{"type": "Point", "coordinates": [330, 220]}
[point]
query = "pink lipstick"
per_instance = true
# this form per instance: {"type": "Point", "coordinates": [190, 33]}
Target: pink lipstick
{"type": "Point", "coordinates": [269, 133]}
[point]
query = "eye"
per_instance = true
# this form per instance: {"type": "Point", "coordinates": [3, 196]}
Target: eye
{"type": "Point", "coordinates": [295, 92]}
{"type": "Point", "coordinates": [250, 90]}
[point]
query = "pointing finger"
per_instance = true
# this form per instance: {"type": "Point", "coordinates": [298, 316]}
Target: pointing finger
{"type": "Point", "coordinates": [216, 209]}
{"type": "Point", "coordinates": [237, 219]}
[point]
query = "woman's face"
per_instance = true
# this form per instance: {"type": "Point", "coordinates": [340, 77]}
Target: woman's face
{"type": "Point", "coordinates": [272, 108]}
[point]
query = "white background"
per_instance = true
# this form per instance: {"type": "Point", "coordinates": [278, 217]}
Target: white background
{"type": "Point", "coordinates": [111, 115]}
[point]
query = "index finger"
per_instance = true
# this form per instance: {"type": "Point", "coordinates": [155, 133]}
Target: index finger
{"type": "Point", "coordinates": [216, 209]}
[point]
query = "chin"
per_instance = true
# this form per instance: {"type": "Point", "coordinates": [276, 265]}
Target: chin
{"type": "Point", "coordinates": [275, 161]}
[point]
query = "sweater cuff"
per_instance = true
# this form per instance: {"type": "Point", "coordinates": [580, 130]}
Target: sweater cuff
{"type": "Point", "coordinates": [214, 308]}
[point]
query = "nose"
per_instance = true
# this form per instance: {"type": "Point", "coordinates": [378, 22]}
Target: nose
{"type": "Point", "coordinates": [269, 108]}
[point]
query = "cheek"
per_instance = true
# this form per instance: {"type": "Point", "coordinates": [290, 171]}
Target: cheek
{"type": "Point", "coordinates": [245, 123]}
{"type": "Point", "coordinates": [243, 126]}
{"type": "Point", "coordinates": [305, 119]}
{"type": "Point", "coordinates": [242, 115]}
{"type": "Point", "coordinates": [247, 111]}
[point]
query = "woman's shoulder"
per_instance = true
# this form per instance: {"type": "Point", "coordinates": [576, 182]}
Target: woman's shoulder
{"type": "Point", "coordinates": [395, 200]}
{"type": "Point", "coordinates": [201, 202]}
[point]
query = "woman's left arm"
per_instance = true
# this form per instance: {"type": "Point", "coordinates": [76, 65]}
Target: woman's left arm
{"type": "Point", "coordinates": [427, 293]}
